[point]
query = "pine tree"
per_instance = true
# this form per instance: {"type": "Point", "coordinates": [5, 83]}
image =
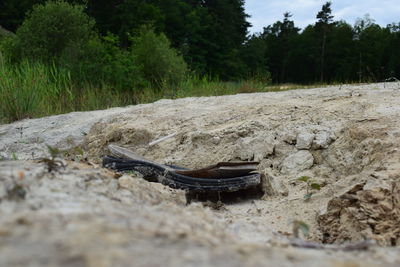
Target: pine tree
{"type": "Point", "coordinates": [323, 24]}
{"type": "Point", "coordinates": [226, 35]}
{"type": "Point", "coordinates": [279, 37]}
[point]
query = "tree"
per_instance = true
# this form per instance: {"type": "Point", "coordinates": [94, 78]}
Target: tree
{"type": "Point", "coordinates": [159, 63]}
{"type": "Point", "coordinates": [323, 25]}
{"type": "Point", "coordinates": [185, 24]}
{"type": "Point", "coordinates": [197, 44]}
{"type": "Point", "coordinates": [12, 13]}
{"type": "Point", "coordinates": [209, 33]}
{"type": "Point", "coordinates": [254, 54]}
{"type": "Point", "coordinates": [227, 31]}
{"type": "Point", "coordinates": [374, 49]}
{"type": "Point", "coordinates": [302, 65]}
{"type": "Point", "coordinates": [393, 51]}
{"type": "Point", "coordinates": [103, 62]}
{"type": "Point", "coordinates": [53, 29]}
{"type": "Point", "coordinates": [176, 16]}
{"type": "Point", "coordinates": [280, 37]}
{"type": "Point", "coordinates": [124, 18]}
{"type": "Point", "coordinates": [372, 43]}
{"type": "Point", "coordinates": [341, 55]}
{"type": "Point", "coordinates": [287, 32]}
{"type": "Point", "coordinates": [362, 27]}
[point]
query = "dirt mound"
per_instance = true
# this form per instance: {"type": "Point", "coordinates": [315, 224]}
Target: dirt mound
{"type": "Point", "coordinates": [336, 141]}
{"type": "Point", "coordinates": [344, 140]}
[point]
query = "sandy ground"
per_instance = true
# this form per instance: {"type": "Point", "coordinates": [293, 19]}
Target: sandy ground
{"type": "Point", "coordinates": [345, 139]}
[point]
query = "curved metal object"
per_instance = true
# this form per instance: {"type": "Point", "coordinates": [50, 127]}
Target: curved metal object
{"type": "Point", "coordinates": [224, 176]}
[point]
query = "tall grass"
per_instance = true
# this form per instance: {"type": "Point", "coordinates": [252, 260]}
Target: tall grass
{"type": "Point", "coordinates": [196, 86]}
{"type": "Point", "coordinates": [206, 86]}
{"type": "Point", "coordinates": [30, 90]}
{"type": "Point", "coordinates": [89, 97]}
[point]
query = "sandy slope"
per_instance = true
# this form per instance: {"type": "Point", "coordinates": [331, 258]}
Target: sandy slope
{"type": "Point", "coordinates": [346, 139]}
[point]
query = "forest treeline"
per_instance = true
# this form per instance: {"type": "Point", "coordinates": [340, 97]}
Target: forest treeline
{"type": "Point", "coordinates": [212, 36]}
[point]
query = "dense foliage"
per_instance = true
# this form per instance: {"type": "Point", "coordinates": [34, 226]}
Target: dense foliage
{"type": "Point", "coordinates": [54, 30]}
{"type": "Point", "coordinates": [160, 65]}
{"type": "Point", "coordinates": [211, 36]}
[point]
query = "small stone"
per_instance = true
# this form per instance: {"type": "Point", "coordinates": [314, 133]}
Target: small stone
{"type": "Point", "coordinates": [304, 140]}
{"type": "Point", "coordinates": [250, 148]}
{"type": "Point", "coordinates": [322, 140]}
{"type": "Point", "coordinates": [272, 186]}
{"type": "Point", "coordinates": [289, 137]}
{"type": "Point", "coordinates": [297, 162]}
{"type": "Point", "coordinates": [3, 156]}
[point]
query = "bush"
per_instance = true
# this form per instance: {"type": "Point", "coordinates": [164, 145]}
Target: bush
{"type": "Point", "coordinates": [9, 49]}
{"type": "Point", "coordinates": [4, 33]}
{"type": "Point", "coordinates": [53, 29]}
{"type": "Point", "coordinates": [62, 33]}
{"type": "Point", "coordinates": [120, 67]}
{"type": "Point", "coordinates": [160, 64]}
{"type": "Point", "coordinates": [102, 61]}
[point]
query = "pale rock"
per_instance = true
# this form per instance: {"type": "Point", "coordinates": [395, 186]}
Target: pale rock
{"type": "Point", "coordinates": [304, 140]}
{"type": "Point", "coordinates": [255, 148]}
{"type": "Point", "coordinates": [372, 184]}
{"type": "Point", "coordinates": [272, 186]}
{"type": "Point", "coordinates": [297, 162]}
{"type": "Point", "coordinates": [282, 149]}
{"type": "Point", "coordinates": [3, 156]}
{"type": "Point", "coordinates": [289, 136]}
{"type": "Point", "coordinates": [322, 140]}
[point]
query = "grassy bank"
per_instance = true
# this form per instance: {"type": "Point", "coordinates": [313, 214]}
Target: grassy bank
{"type": "Point", "coordinates": [34, 90]}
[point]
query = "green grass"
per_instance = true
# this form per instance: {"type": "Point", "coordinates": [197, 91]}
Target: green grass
{"type": "Point", "coordinates": [31, 90]}
{"type": "Point", "coordinates": [195, 86]}
{"type": "Point", "coordinates": [34, 90]}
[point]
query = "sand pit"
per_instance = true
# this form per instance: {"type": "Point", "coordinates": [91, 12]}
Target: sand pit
{"type": "Point", "coordinates": [344, 139]}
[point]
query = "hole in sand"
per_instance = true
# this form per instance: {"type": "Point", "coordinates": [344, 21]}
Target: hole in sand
{"type": "Point", "coordinates": [226, 197]}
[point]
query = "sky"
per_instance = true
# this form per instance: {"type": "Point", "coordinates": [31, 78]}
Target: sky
{"type": "Point", "coordinates": [267, 12]}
